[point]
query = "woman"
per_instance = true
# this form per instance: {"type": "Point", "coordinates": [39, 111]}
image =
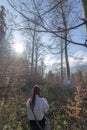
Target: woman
{"type": "Point", "coordinates": [39, 106]}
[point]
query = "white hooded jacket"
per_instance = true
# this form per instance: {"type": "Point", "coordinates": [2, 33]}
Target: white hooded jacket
{"type": "Point", "coordinates": [41, 107]}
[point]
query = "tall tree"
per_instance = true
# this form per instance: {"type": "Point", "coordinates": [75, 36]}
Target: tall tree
{"type": "Point", "coordinates": [60, 19]}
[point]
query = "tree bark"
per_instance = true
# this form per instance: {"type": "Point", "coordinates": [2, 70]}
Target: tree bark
{"type": "Point", "coordinates": [32, 56]}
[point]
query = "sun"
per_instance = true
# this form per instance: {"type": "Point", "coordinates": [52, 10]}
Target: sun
{"type": "Point", "coordinates": [18, 47]}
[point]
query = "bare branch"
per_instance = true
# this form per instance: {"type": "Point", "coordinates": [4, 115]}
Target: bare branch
{"type": "Point", "coordinates": [52, 7]}
{"type": "Point", "coordinates": [48, 30]}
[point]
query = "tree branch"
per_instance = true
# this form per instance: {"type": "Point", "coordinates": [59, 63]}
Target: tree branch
{"type": "Point", "coordinates": [48, 30]}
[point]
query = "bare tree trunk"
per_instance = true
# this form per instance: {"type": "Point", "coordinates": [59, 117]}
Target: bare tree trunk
{"type": "Point", "coordinates": [66, 51]}
{"type": "Point", "coordinates": [62, 76]}
{"type": "Point", "coordinates": [32, 56]}
{"type": "Point", "coordinates": [67, 61]}
{"type": "Point", "coordinates": [36, 58]}
{"type": "Point", "coordinates": [42, 68]}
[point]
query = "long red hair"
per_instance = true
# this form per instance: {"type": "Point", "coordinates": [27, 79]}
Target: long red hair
{"type": "Point", "coordinates": [35, 91]}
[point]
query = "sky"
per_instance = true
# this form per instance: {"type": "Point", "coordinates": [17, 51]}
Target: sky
{"type": "Point", "coordinates": [77, 54]}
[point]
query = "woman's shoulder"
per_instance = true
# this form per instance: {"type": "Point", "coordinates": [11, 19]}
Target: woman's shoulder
{"type": "Point", "coordinates": [44, 100]}
{"type": "Point", "coordinates": [28, 100]}
{"type": "Point", "coordinates": [41, 99]}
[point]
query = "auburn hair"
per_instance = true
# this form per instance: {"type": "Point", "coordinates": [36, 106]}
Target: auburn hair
{"type": "Point", "coordinates": [35, 91]}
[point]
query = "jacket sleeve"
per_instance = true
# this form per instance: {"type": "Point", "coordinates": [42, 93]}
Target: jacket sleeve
{"type": "Point", "coordinates": [45, 105]}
